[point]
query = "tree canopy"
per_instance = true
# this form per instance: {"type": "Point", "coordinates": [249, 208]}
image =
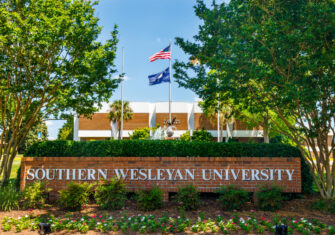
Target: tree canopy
{"type": "Point", "coordinates": [272, 55]}
{"type": "Point", "coordinates": [66, 131]}
{"type": "Point", "coordinates": [50, 63]}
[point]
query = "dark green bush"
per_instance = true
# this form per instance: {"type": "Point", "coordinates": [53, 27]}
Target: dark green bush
{"type": "Point", "coordinates": [34, 195]}
{"type": "Point", "coordinates": [149, 200]}
{"type": "Point", "coordinates": [147, 148]}
{"type": "Point", "coordinates": [324, 205]}
{"type": "Point", "coordinates": [111, 194]}
{"type": "Point", "coordinates": [9, 198]}
{"type": "Point", "coordinates": [269, 197]}
{"type": "Point", "coordinates": [232, 197]}
{"type": "Point", "coordinates": [74, 196]}
{"type": "Point", "coordinates": [188, 197]}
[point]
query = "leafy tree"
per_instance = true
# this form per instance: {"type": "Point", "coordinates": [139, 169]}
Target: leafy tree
{"type": "Point", "coordinates": [115, 113]}
{"type": "Point", "coordinates": [211, 107]}
{"type": "Point", "coordinates": [66, 132]}
{"type": "Point", "coordinates": [33, 136]}
{"type": "Point", "coordinates": [273, 54]}
{"type": "Point", "coordinates": [50, 63]}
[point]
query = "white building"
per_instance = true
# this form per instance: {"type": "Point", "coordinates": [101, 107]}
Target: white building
{"type": "Point", "coordinates": [189, 116]}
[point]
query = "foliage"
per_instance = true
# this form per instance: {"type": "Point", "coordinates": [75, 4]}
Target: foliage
{"type": "Point", "coordinates": [278, 64]}
{"type": "Point", "coordinates": [115, 113]}
{"type": "Point", "coordinates": [142, 133]}
{"type": "Point", "coordinates": [188, 198]}
{"type": "Point", "coordinates": [202, 135]}
{"type": "Point", "coordinates": [198, 135]}
{"type": "Point", "coordinates": [9, 197]}
{"type": "Point", "coordinates": [51, 62]}
{"type": "Point", "coordinates": [186, 136]}
{"type": "Point", "coordinates": [66, 131]}
{"type": "Point", "coordinates": [32, 136]}
{"type": "Point", "coordinates": [211, 108]}
{"type": "Point", "coordinates": [149, 224]}
{"type": "Point", "coordinates": [111, 194]}
{"type": "Point", "coordinates": [34, 195]}
{"type": "Point", "coordinates": [232, 197]}
{"type": "Point", "coordinates": [324, 205]}
{"type": "Point", "coordinates": [149, 200]}
{"type": "Point", "coordinates": [74, 196]}
{"type": "Point", "coordinates": [142, 148]}
{"type": "Point", "coordinates": [269, 197]}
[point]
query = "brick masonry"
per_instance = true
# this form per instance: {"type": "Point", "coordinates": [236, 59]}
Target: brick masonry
{"type": "Point", "coordinates": [209, 173]}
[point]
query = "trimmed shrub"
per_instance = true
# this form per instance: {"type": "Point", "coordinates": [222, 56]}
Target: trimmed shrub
{"type": "Point", "coordinates": [188, 197]}
{"type": "Point", "coordinates": [74, 196]}
{"type": "Point", "coordinates": [149, 200]}
{"type": "Point", "coordinates": [34, 195]}
{"type": "Point", "coordinates": [146, 148]}
{"type": "Point", "coordinates": [232, 197]}
{"type": "Point", "coordinates": [269, 197]}
{"type": "Point", "coordinates": [9, 198]}
{"type": "Point", "coordinates": [111, 194]}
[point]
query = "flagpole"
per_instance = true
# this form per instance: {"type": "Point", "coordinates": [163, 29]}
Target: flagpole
{"type": "Point", "coordinates": [122, 77]}
{"type": "Point", "coordinates": [170, 83]}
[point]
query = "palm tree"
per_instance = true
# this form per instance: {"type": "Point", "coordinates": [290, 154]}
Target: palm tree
{"type": "Point", "coordinates": [225, 115]}
{"type": "Point", "coordinates": [115, 113]}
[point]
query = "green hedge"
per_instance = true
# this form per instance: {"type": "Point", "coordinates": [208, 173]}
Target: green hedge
{"type": "Point", "coordinates": [163, 148]}
{"type": "Point", "coordinates": [145, 148]}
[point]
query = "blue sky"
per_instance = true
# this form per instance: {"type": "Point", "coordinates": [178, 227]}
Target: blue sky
{"type": "Point", "coordinates": [145, 27]}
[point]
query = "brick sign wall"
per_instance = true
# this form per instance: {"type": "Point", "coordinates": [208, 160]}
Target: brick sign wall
{"type": "Point", "coordinates": [207, 174]}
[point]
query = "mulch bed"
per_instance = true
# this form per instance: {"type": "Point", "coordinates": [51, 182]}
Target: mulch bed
{"type": "Point", "coordinates": [296, 208]}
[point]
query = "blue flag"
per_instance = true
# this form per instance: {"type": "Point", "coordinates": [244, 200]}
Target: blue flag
{"type": "Point", "coordinates": [158, 78]}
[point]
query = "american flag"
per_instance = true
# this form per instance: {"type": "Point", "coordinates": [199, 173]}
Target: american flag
{"type": "Point", "coordinates": [163, 54]}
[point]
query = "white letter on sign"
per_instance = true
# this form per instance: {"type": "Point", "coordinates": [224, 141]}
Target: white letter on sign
{"type": "Point", "coordinates": [31, 174]}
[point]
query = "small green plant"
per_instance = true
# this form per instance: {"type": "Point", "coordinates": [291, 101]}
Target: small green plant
{"type": "Point", "coordinates": [198, 135]}
{"type": "Point", "coordinates": [320, 205]}
{"type": "Point", "coordinates": [149, 200]}
{"type": "Point", "coordinates": [34, 195]}
{"type": "Point", "coordinates": [9, 198]}
{"type": "Point", "coordinates": [188, 197]}
{"type": "Point", "coordinates": [186, 136]}
{"type": "Point", "coordinates": [269, 197]}
{"type": "Point", "coordinates": [232, 197]}
{"type": "Point", "coordinates": [111, 194]}
{"type": "Point", "coordinates": [324, 205]}
{"type": "Point", "coordinates": [74, 196]}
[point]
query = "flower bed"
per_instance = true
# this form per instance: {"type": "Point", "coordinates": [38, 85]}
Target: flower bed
{"type": "Point", "coordinates": [165, 224]}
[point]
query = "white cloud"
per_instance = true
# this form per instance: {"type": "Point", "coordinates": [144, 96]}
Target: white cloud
{"type": "Point", "coordinates": [158, 40]}
{"type": "Point", "coordinates": [51, 138]}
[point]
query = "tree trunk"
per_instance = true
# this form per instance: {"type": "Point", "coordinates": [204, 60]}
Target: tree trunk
{"type": "Point", "coordinates": [266, 128]}
{"type": "Point", "coordinates": [266, 135]}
